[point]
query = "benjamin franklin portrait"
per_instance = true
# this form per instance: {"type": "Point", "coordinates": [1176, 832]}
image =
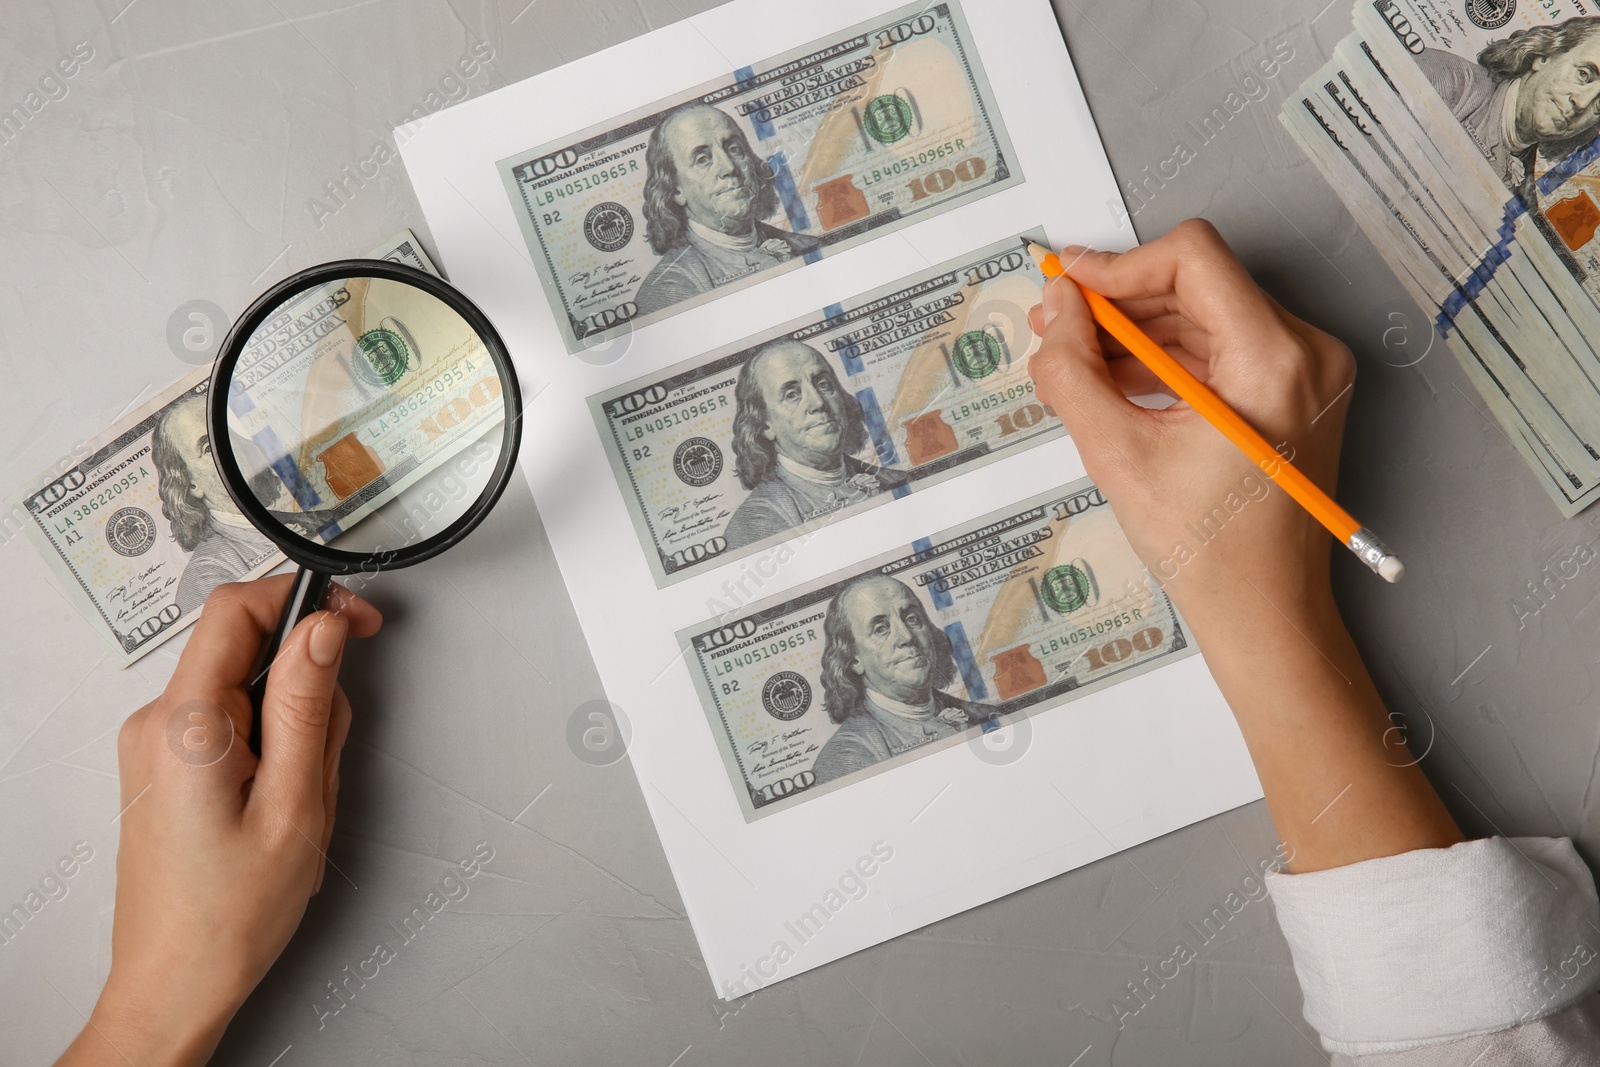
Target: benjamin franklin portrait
{"type": "Point", "coordinates": [885, 665]}
{"type": "Point", "coordinates": [224, 546]}
{"type": "Point", "coordinates": [795, 432]}
{"type": "Point", "coordinates": [705, 196]}
{"type": "Point", "coordinates": [1536, 92]}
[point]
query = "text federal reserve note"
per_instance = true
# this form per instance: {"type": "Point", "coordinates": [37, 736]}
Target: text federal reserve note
{"type": "Point", "coordinates": [826, 416]}
{"type": "Point", "coordinates": [1020, 611]}
{"type": "Point", "coordinates": [136, 524]}
{"type": "Point", "coordinates": [781, 163]}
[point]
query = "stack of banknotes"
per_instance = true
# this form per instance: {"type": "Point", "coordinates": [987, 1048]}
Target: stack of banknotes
{"type": "Point", "coordinates": [1461, 135]}
{"type": "Point", "coordinates": [135, 523]}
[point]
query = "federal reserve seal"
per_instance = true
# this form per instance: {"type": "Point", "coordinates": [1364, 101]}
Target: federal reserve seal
{"type": "Point", "coordinates": [608, 226]}
{"type": "Point", "coordinates": [387, 356]}
{"type": "Point", "coordinates": [786, 696]}
{"type": "Point", "coordinates": [130, 532]}
{"type": "Point", "coordinates": [697, 461]}
{"type": "Point", "coordinates": [1069, 587]}
{"type": "Point", "coordinates": [976, 354]}
{"type": "Point", "coordinates": [1490, 14]}
{"type": "Point", "coordinates": [887, 118]}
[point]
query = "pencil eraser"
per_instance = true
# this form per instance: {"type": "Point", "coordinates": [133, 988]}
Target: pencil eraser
{"type": "Point", "coordinates": [1391, 569]}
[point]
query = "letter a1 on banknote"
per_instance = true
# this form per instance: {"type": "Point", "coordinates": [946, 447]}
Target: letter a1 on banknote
{"type": "Point", "coordinates": [1018, 612]}
{"type": "Point", "coordinates": [780, 163]}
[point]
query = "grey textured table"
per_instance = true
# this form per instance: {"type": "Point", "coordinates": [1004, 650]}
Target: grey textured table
{"type": "Point", "coordinates": [206, 149]}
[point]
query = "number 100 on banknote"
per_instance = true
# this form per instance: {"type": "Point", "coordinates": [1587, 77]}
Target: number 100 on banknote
{"type": "Point", "coordinates": [774, 166]}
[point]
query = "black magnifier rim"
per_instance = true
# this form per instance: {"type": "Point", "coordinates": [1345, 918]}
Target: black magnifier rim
{"type": "Point", "coordinates": [308, 553]}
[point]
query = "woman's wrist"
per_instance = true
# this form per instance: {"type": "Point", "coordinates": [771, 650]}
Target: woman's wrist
{"type": "Point", "coordinates": [1339, 781]}
{"type": "Point", "coordinates": [156, 1024]}
{"type": "Point", "coordinates": [1244, 607]}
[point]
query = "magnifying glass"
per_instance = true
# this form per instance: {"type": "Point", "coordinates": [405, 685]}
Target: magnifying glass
{"type": "Point", "coordinates": [364, 416]}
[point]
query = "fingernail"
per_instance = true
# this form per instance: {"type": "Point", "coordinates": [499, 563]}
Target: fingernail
{"type": "Point", "coordinates": [327, 639]}
{"type": "Point", "coordinates": [1052, 299]}
{"type": "Point", "coordinates": [322, 869]}
{"type": "Point", "coordinates": [1071, 254]}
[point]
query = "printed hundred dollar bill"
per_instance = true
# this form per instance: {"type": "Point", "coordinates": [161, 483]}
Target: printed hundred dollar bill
{"type": "Point", "coordinates": [136, 525]}
{"type": "Point", "coordinates": [779, 164]}
{"type": "Point", "coordinates": [826, 416]}
{"type": "Point", "coordinates": [975, 628]}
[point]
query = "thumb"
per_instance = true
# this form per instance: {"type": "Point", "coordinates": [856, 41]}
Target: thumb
{"type": "Point", "coordinates": [295, 714]}
{"type": "Point", "coordinates": [1071, 375]}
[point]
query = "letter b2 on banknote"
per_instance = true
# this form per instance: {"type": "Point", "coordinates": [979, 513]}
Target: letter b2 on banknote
{"type": "Point", "coordinates": [783, 162]}
{"type": "Point", "coordinates": [1020, 611]}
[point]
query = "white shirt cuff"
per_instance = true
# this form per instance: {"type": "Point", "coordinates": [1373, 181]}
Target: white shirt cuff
{"type": "Point", "coordinates": [1441, 943]}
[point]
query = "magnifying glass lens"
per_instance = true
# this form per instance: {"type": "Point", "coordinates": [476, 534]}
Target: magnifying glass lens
{"type": "Point", "coordinates": [366, 416]}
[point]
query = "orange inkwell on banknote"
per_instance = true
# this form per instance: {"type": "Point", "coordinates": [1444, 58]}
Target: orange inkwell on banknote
{"type": "Point", "coordinates": [1575, 219]}
{"type": "Point", "coordinates": [349, 465]}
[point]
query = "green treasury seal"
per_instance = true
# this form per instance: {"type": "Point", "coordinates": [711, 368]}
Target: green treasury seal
{"type": "Point", "coordinates": [976, 354]}
{"type": "Point", "coordinates": [1069, 587]}
{"type": "Point", "coordinates": [386, 356]}
{"type": "Point", "coordinates": [887, 118]}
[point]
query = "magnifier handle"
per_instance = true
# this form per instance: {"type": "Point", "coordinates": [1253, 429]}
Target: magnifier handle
{"type": "Point", "coordinates": [309, 591]}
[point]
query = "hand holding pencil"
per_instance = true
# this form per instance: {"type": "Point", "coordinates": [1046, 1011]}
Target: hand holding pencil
{"type": "Point", "coordinates": [1264, 398]}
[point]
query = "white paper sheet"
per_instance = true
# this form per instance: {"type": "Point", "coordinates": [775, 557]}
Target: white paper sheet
{"type": "Point", "coordinates": [901, 849]}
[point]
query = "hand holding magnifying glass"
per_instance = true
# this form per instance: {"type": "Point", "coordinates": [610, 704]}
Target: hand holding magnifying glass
{"type": "Point", "coordinates": [364, 416]}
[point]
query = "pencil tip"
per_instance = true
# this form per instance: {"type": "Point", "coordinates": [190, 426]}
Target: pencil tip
{"type": "Point", "coordinates": [1048, 262]}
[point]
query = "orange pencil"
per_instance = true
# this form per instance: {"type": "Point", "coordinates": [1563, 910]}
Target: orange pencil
{"type": "Point", "coordinates": [1360, 540]}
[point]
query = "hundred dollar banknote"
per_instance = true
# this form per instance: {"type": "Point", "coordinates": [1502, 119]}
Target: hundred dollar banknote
{"type": "Point", "coordinates": [829, 415]}
{"type": "Point", "coordinates": [135, 524]}
{"type": "Point", "coordinates": [1005, 617]}
{"type": "Point", "coordinates": [782, 162]}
